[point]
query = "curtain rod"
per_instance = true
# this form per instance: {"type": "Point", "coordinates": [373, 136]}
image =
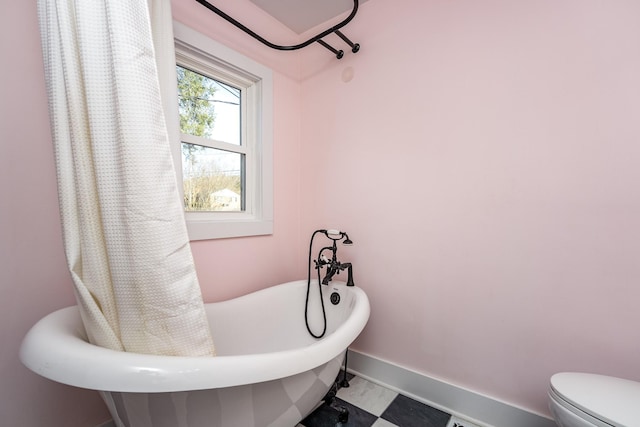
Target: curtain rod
{"type": "Point", "coordinates": [355, 47]}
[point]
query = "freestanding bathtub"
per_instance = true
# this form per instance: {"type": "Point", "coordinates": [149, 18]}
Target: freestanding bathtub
{"type": "Point", "coordinates": [269, 370]}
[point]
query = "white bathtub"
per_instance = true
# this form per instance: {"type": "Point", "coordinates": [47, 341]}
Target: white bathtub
{"type": "Point", "coordinates": [269, 371]}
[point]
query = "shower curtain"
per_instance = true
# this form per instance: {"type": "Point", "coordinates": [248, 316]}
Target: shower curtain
{"type": "Point", "coordinates": [123, 225]}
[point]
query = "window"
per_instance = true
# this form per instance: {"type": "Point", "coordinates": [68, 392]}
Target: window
{"type": "Point", "coordinates": [213, 153]}
{"type": "Point", "coordinates": [224, 158]}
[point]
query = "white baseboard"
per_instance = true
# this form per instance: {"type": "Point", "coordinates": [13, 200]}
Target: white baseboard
{"type": "Point", "coordinates": [477, 408]}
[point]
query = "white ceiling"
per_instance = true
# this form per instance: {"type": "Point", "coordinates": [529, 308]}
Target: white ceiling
{"type": "Point", "coordinates": [302, 15]}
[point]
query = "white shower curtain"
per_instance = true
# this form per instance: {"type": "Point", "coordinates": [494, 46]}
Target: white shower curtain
{"type": "Point", "coordinates": [123, 226]}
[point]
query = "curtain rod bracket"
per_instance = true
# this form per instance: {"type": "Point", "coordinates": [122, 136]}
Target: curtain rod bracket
{"type": "Point", "coordinates": [355, 47]}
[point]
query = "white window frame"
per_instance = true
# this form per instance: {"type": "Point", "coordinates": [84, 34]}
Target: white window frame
{"type": "Point", "coordinates": [202, 54]}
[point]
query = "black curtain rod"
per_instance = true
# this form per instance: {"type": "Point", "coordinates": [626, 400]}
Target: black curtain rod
{"type": "Point", "coordinates": [355, 47]}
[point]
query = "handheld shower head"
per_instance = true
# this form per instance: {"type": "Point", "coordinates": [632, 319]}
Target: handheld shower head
{"type": "Point", "coordinates": [336, 235]}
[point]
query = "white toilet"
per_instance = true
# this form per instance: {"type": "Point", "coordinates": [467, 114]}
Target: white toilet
{"type": "Point", "coordinates": [588, 400]}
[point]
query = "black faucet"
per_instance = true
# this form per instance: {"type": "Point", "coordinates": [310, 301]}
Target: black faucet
{"type": "Point", "coordinates": [333, 265]}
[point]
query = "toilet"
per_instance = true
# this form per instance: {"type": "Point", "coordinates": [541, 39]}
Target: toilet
{"type": "Point", "coordinates": [588, 400]}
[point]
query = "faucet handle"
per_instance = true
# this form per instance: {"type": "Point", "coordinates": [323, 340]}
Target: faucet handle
{"type": "Point", "coordinates": [321, 261]}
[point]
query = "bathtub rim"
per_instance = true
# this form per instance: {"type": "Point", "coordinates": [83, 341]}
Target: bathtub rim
{"type": "Point", "coordinates": [55, 349]}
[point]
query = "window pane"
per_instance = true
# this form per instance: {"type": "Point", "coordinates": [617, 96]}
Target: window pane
{"type": "Point", "coordinates": [207, 107]}
{"type": "Point", "coordinates": [213, 179]}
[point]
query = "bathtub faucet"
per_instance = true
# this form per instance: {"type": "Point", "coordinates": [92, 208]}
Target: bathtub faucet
{"type": "Point", "coordinates": [333, 265]}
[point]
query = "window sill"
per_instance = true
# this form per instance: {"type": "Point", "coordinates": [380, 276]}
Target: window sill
{"type": "Point", "coordinates": [224, 229]}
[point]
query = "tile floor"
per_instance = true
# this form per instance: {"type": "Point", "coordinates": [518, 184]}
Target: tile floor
{"type": "Point", "coordinates": [371, 405]}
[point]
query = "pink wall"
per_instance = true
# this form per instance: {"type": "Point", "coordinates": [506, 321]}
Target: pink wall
{"type": "Point", "coordinates": [484, 159]}
{"type": "Point", "coordinates": [33, 276]}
